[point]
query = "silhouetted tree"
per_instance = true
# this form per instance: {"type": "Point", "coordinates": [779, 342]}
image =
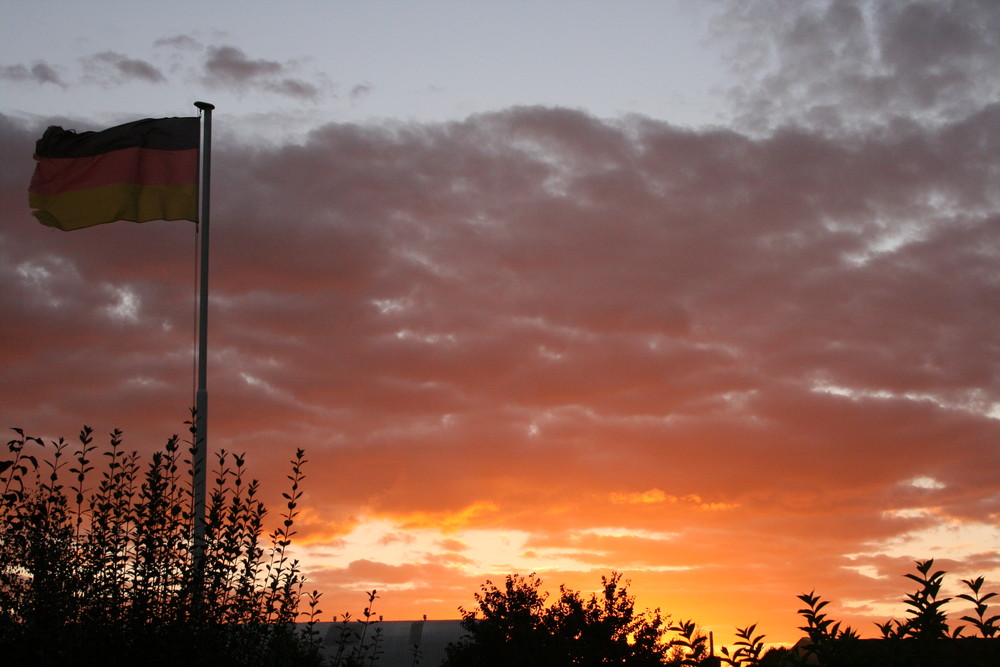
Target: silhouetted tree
{"type": "Point", "coordinates": [513, 626]}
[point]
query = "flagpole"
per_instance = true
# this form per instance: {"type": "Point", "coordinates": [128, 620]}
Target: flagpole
{"type": "Point", "coordinates": [201, 401]}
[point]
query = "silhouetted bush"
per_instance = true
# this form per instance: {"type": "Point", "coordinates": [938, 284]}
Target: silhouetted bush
{"type": "Point", "coordinates": [924, 639]}
{"type": "Point", "coordinates": [357, 643]}
{"type": "Point", "coordinates": [98, 564]}
{"type": "Point", "coordinates": [512, 626]}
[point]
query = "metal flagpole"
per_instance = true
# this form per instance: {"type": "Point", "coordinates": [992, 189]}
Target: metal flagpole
{"type": "Point", "coordinates": [201, 401]}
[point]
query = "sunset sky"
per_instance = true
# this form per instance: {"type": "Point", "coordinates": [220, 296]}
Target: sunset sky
{"type": "Point", "coordinates": [705, 293]}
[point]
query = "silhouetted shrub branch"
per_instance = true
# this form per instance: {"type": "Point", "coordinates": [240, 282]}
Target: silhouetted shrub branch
{"type": "Point", "coordinates": [97, 561]}
{"type": "Point", "coordinates": [920, 639]}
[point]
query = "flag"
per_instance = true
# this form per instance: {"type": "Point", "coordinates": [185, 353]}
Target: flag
{"type": "Point", "coordinates": [141, 171]}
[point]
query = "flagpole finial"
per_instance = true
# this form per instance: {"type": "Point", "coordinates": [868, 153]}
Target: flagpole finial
{"type": "Point", "coordinates": [204, 106]}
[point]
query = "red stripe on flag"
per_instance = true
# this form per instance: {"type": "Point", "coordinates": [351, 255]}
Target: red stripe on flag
{"type": "Point", "coordinates": [137, 166]}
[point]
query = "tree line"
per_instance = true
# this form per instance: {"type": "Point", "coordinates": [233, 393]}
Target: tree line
{"type": "Point", "coordinates": [98, 566]}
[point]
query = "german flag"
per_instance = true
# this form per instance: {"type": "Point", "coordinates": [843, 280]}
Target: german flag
{"type": "Point", "coordinates": [141, 171]}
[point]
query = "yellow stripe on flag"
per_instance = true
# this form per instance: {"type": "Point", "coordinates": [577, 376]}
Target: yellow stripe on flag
{"type": "Point", "coordinates": [77, 209]}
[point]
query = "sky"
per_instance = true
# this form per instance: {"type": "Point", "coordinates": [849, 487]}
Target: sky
{"type": "Point", "coordinates": [703, 293]}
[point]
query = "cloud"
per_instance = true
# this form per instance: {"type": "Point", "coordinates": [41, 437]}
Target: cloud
{"type": "Point", "coordinates": [110, 67]}
{"type": "Point", "coordinates": [39, 73]}
{"type": "Point", "coordinates": [229, 66]}
{"type": "Point", "coordinates": [840, 65]}
{"type": "Point", "coordinates": [361, 91]}
{"type": "Point", "coordinates": [500, 302]}
{"type": "Point", "coordinates": [217, 67]}
{"type": "Point", "coordinates": [179, 43]}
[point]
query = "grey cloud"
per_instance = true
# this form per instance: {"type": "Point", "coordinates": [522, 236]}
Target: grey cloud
{"type": "Point", "coordinates": [230, 66]}
{"type": "Point", "coordinates": [361, 91]}
{"type": "Point", "coordinates": [39, 72]}
{"type": "Point", "coordinates": [844, 65]}
{"type": "Point", "coordinates": [229, 63]}
{"type": "Point", "coordinates": [179, 43]}
{"type": "Point", "coordinates": [112, 67]}
{"type": "Point", "coordinates": [293, 88]}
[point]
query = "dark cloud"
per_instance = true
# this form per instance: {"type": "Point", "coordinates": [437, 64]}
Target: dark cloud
{"type": "Point", "coordinates": [39, 72]}
{"type": "Point", "coordinates": [229, 66]}
{"type": "Point", "coordinates": [361, 90]}
{"type": "Point", "coordinates": [179, 43]}
{"type": "Point", "coordinates": [293, 88]}
{"type": "Point", "coordinates": [840, 65]}
{"type": "Point", "coordinates": [229, 63]}
{"type": "Point", "coordinates": [112, 67]}
{"type": "Point", "coordinates": [222, 67]}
